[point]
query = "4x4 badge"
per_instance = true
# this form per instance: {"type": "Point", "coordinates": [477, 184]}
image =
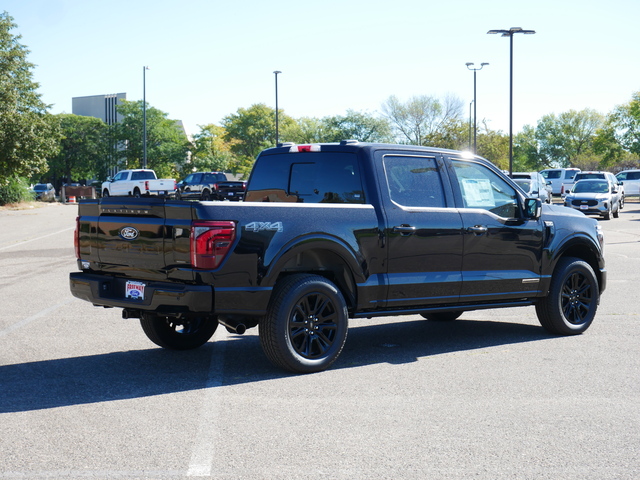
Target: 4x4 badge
{"type": "Point", "coordinates": [129, 233]}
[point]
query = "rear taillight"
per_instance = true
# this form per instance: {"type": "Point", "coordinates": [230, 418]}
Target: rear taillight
{"type": "Point", "coordinates": [76, 238]}
{"type": "Point", "coordinates": [146, 185]}
{"type": "Point", "coordinates": [210, 243]}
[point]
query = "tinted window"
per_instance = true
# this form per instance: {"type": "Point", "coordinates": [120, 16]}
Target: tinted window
{"type": "Point", "coordinates": [551, 174]}
{"type": "Point", "coordinates": [570, 173]}
{"type": "Point", "coordinates": [306, 177]}
{"type": "Point", "coordinates": [482, 188]}
{"type": "Point", "coordinates": [142, 176]}
{"type": "Point", "coordinates": [414, 181]}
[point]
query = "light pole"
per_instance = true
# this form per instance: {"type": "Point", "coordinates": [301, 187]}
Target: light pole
{"type": "Point", "coordinates": [276, 72]}
{"type": "Point", "coordinates": [470, 104]}
{"type": "Point", "coordinates": [475, 103]}
{"type": "Point", "coordinates": [510, 33]}
{"type": "Point", "coordinates": [144, 116]}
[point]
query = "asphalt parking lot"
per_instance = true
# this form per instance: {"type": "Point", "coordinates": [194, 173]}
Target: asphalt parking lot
{"type": "Point", "coordinates": [84, 394]}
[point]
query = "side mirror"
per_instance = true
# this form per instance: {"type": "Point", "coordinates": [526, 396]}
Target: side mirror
{"type": "Point", "coordinates": [109, 179]}
{"type": "Point", "coordinates": [532, 208]}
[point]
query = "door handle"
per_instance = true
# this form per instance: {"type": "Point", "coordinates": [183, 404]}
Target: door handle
{"type": "Point", "coordinates": [405, 229]}
{"type": "Point", "coordinates": [477, 229]}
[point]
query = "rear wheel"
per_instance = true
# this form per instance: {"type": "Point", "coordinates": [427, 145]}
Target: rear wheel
{"type": "Point", "coordinates": [441, 316]}
{"type": "Point", "coordinates": [178, 334]}
{"type": "Point", "coordinates": [573, 297]}
{"type": "Point", "coordinates": [136, 193]}
{"type": "Point", "coordinates": [306, 324]}
{"type": "Point", "coordinates": [206, 196]}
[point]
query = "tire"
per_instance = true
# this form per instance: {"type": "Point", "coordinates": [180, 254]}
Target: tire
{"type": "Point", "coordinates": [105, 193]}
{"type": "Point", "coordinates": [441, 316]}
{"type": "Point", "coordinates": [136, 193]}
{"type": "Point", "coordinates": [616, 214]}
{"type": "Point", "coordinates": [206, 196]}
{"type": "Point", "coordinates": [184, 334]}
{"type": "Point", "coordinates": [573, 298]}
{"type": "Point", "coordinates": [306, 324]}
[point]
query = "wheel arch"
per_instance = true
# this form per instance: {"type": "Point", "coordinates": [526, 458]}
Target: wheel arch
{"type": "Point", "coordinates": [584, 249]}
{"type": "Point", "coordinates": [321, 255]}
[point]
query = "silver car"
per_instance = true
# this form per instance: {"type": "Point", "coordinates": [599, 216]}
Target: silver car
{"type": "Point", "coordinates": [534, 185]}
{"type": "Point", "coordinates": [594, 197]}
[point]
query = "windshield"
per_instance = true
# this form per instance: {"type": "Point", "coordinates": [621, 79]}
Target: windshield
{"type": "Point", "coordinates": [40, 188]}
{"type": "Point", "coordinates": [591, 187]}
{"type": "Point", "coordinates": [523, 183]}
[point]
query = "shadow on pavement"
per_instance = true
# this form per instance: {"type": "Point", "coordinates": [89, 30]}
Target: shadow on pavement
{"type": "Point", "coordinates": [141, 373]}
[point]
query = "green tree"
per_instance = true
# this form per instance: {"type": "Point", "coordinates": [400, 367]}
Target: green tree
{"type": "Point", "coordinates": [28, 133]}
{"type": "Point", "coordinates": [251, 130]}
{"type": "Point", "coordinates": [568, 138]}
{"type": "Point", "coordinates": [306, 130]}
{"type": "Point", "coordinates": [167, 144]}
{"type": "Point", "coordinates": [526, 151]}
{"type": "Point", "coordinates": [83, 148]}
{"type": "Point", "coordinates": [621, 132]}
{"type": "Point", "coordinates": [360, 126]}
{"type": "Point", "coordinates": [210, 150]}
{"type": "Point", "coordinates": [422, 120]}
{"type": "Point", "coordinates": [494, 146]}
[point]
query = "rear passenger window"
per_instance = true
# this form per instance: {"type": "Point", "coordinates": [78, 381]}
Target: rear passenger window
{"type": "Point", "coordinates": [414, 181]}
{"type": "Point", "coordinates": [323, 177]}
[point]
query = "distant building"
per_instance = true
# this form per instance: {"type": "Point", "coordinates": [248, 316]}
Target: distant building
{"type": "Point", "coordinates": [99, 106]}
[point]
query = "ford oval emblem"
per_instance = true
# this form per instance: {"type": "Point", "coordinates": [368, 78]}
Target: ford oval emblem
{"type": "Point", "coordinates": [129, 233]}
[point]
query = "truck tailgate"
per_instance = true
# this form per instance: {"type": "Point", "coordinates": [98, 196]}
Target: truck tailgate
{"type": "Point", "coordinates": [131, 237]}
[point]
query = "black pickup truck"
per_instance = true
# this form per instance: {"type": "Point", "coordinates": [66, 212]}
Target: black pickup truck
{"type": "Point", "coordinates": [333, 232]}
{"type": "Point", "coordinates": [210, 186]}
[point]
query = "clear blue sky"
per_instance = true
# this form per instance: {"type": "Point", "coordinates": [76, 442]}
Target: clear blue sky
{"type": "Point", "coordinates": [208, 58]}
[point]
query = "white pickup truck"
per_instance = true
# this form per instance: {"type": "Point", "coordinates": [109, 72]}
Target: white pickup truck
{"type": "Point", "coordinates": [137, 183]}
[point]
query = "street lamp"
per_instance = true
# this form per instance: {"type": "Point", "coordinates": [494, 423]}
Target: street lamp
{"type": "Point", "coordinates": [276, 72]}
{"type": "Point", "coordinates": [144, 116]}
{"type": "Point", "coordinates": [510, 33]}
{"type": "Point", "coordinates": [475, 103]}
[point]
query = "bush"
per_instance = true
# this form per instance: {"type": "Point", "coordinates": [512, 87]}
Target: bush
{"type": "Point", "coordinates": [15, 191]}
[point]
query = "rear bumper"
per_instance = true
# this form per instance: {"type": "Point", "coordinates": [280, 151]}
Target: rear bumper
{"type": "Point", "coordinates": [166, 297]}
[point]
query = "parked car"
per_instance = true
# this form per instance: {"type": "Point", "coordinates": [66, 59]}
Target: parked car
{"type": "Point", "coordinates": [594, 197]}
{"type": "Point", "coordinates": [137, 183]}
{"type": "Point", "coordinates": [534, 185]}
{"type": "Point", "coordinates": [558, 176]}
{"type": "Point", "coordinates": [595, 175]}
{"type": "Point", "coordinates": [210, 186]}
{"type": "Point", "coordinates": [45, 192]}
{"type": "Point", "coordinates": [631, 181]}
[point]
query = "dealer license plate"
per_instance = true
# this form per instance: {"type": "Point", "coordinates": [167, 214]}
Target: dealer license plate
{"type": "Point", "coordinates": [134, 290]}
{"type": "Point", "coordinates": [584, 207]}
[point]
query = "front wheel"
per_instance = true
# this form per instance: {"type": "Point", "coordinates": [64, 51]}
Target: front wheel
{"type": "Point", "coordinates": [306, 324]}
{"type": "Point", "coordinates": [105, 193]}
{"type": "Point", "coordinates": [178, 334]}
{"type": "Point", "coordinates": [573, 297]}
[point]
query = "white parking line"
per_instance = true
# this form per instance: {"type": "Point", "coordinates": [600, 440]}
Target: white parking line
{"type": "Point", "coordinates": [204, 449]}
{"type": "Point", "coordinates": [37, 238]}
{"type": "Point", "coordinates": [36, 316]}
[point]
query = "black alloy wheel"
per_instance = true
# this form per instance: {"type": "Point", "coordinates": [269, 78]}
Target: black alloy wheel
{"type": "Point", "coordinates": [571, 305]}
{"type": "Point", "coordinates": [305, 328]}
{"type": "Point", "coordinates": [178, 334]}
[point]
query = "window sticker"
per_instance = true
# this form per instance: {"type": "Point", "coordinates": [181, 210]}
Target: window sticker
{"type": "Point", "coordinates": [477, 192]}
